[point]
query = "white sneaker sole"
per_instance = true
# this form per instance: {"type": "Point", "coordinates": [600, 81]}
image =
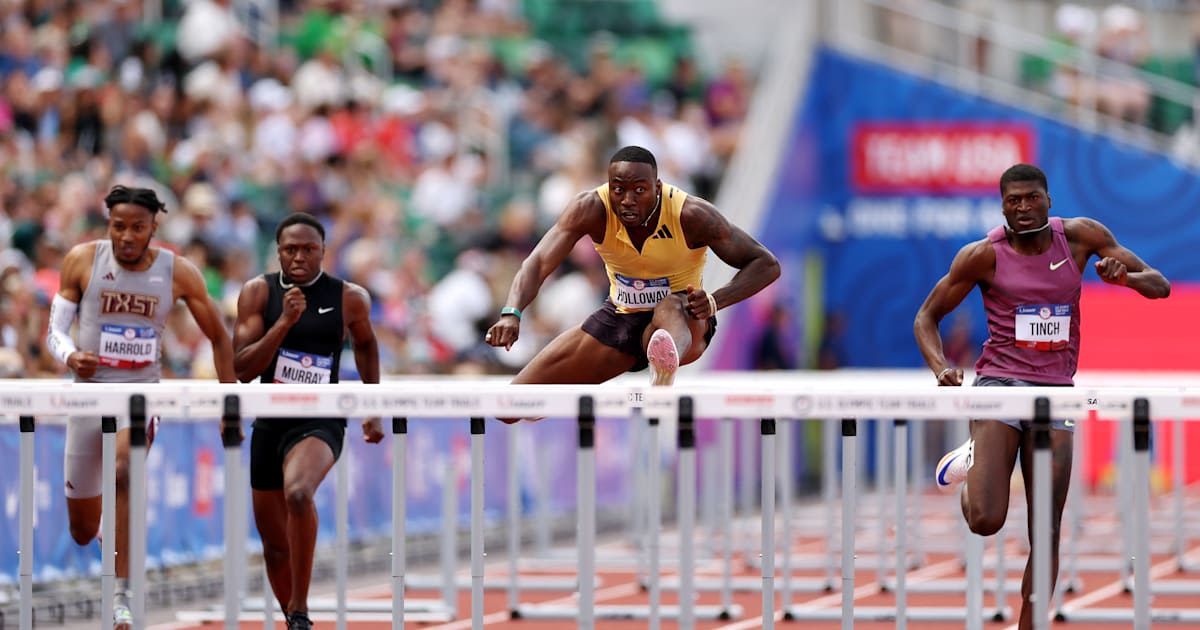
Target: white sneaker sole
{"type": "Point", "coordinates": [663, 358]}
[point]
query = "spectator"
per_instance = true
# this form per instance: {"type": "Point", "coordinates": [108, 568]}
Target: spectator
{"type": "Point", "coordinates": [1122, 93]}
{"type": "Point", "coordinates": [406, 170]}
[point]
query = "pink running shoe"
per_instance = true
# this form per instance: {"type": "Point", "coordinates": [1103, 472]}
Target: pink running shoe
{"type": "Point", "coordinates": [663, 357]}
{"type": "Point", "coordinates": [952, 469]}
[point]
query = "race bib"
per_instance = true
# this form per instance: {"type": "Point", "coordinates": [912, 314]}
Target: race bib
{"type": "Point", "coordinates": [127, 347]}
{"type": "Point", "coordinates": [1043, 326]}
{"type": "Point", "coordinates": [641, 293]}
{"type": "Point", "coordinates": [301, 367]}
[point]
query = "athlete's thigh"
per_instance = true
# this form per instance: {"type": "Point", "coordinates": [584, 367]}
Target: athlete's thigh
{"type": "Point", "coordinates": [307, 462]}
{"type": "Point", "coordinates": [83, 458]}
{"type": "Point", "coordinates": [575, 357]}
{"type": "Point", "coordinates": [994, 455]}
{"type": "Point", "coordinates": [699, 330]}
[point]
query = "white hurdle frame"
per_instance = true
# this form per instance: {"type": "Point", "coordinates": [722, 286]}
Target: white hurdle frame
{"type": "Point", "coordinates": [738, 401]}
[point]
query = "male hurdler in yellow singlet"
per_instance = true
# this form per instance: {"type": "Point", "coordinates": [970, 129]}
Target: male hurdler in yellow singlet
{"type": "Point", "coordinates": [653, 238]}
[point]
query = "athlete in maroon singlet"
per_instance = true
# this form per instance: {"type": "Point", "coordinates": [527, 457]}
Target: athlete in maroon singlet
{"type": "Point", "coordinates": [1029, 272]}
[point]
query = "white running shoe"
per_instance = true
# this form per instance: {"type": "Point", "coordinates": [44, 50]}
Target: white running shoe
{"type": "Point", "coordinates": [952, 469]}
{"type": "Point", "coordinates": [663, 358]}
{"type": "Point", "coordinates": [122, 616]}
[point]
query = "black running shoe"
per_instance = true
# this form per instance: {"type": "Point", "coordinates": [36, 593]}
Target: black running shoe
{"type": "Point", "coordinates": [299, 621]}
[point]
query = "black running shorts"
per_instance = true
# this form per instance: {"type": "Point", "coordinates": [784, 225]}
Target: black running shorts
{"type": "Point", "coordinates": [623, 331]}
{"type": "Point", "coordinates": [271, 439]}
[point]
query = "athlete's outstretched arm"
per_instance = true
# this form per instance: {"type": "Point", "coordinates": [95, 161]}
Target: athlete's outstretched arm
{"type": "Point", "coordinates": [1118, 265]}
{"type": "Point", "coordinates": [704, 226]}
{"type": "Point", "coordinates": [584, 215]}
{"type": "Point", "coordinates": [971, 267]}
{"type": "Point", "coordinates": [189, 285]}
{"type": "Point", "coordinates": [356, 304]}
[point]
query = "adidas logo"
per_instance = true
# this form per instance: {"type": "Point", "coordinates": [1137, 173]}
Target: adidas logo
{"type": "Point", "coordinates": [109, 276]}
{"type": "Point", "coordinates": [662, 232]}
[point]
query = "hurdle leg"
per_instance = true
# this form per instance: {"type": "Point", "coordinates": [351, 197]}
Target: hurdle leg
{"type": "Point", "coordinates": [900, 462]}
{"type": "Point", "coordinates": [767, 427]}
{"type": "Point", "coordinates": [654, 492]}
{"type": "Point", "coordinates": [1124, 466]}
{"type": "Point", "coordinates": [917, 480]}
{"type": "Point", "coordinates": [1042, 508]}
{"type": "Point", "coordinates": [784, 470]}
{"type": "Point", "coordinates": [1141, 515]}
{"type": "Point", "coordinates": [974, 561]}
{"type": "Point", "coordinates": [586, 491]}
{"type": "Point", "coordinates": [137, 508]}
{"type": "Point", "coordinates": [726, 508]}
{"type": "Point", "coordinates": [829, 496]}
{"type": "Point", "coordinates": [477, 474]}
{"type": "Point", "coordinates": [542, 509]}
{"type": "Point", "coordinates": [849, 490]}
{"type": "Point", "coordinates": [25, 511]}
{"type": "Point", "coordinates": [514, 517]}
{"type": "Point", "coordinates": [235, 533]}
{"type": "Point", "coordinates": [882, 481]}
{"type": "Point", "coordinates": [1178, 479]}
{"type": "Point", "coordinates": [108, 517]}
{"type": "Point", "coordinates": [341, 479]}
{"type": "Point", "coordinates": [687, 512]}
{"type": "Point", "coordinates": [399, 517]}
{"type": "Point", "coordinates": [746, 479]}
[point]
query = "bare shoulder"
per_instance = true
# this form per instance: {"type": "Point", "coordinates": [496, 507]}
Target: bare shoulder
{"type": "Point", "coordinates": [76, 265]}
{"type": "Point", "coordinates": [702, 222]}
{"type": "Point", "coordinates": [355, 293]}
{"type": "Point", "coordinates": [975, 259]}
{"type": "Point", "coordinates": [584, 212]}
{"type": "Point", "coordinates": [81, 255]}
{"type": "Point", "coordinates": [256, 286]}
{"type": "Point", "coordinates": [1086, 230]}
{"type": "Point", "coordinates": [253, 296]}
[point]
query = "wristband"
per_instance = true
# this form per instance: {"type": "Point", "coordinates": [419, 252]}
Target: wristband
{"type": "Point", "coordinates": [508, 310]}
{"type": "Point", "coordinates": [943, 373]}
{"type": "Point", "coordinates": [712, 303]}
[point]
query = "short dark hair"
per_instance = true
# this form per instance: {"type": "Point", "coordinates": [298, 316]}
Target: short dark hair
{"type": "Point", "coordinates": [144, 197]}
{"type": "Point", "coordinates": [633, 153]}
{"type": "Point", "coordinates": [1023, 173]}
{"type": "Point", "coordinates": [299, 218]}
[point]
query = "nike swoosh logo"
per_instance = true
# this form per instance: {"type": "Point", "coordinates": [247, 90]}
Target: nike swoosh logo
{"type": "Point", "coordinates": [322, 311]}
{"type": "Point", "coordinates": [1058, 264]}
{"type": "Point", "coordinates": [941, 476]}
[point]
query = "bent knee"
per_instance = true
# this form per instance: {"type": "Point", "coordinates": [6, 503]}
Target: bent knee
{"type": "Point", "coordinates": [298, 499]}
{"type": "Point", "coordinates": [84, 533]}
{"type": "Point", "coordinates": [986, 524]}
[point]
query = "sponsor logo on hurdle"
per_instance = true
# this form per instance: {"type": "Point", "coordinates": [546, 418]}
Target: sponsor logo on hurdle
{"type": "Point", "coordinates": [397, 403]}
{"type": "Point", "coordinates": [514, 402]}
{"type": "Point", "coordinates": [347, 403]}
{"type": "Point", "coordinates": [802, 404]}
{"type": "Point", "coordinates": [59, 401]}
{"type": "Point", "coordinates": [294, 399]}
{"type": "Point", "coordinates": [435, 403]}
{"type": "Point", "coordinates": [970, 403]}
{"type": "Point", "coordinates": [16, 403]}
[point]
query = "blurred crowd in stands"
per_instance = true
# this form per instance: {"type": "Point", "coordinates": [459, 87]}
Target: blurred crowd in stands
{"type": "Point", "coordinates": [435, 139]}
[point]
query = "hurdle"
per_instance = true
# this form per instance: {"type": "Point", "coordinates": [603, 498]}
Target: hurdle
{"type": "Point", "coordinates": [737, 402]}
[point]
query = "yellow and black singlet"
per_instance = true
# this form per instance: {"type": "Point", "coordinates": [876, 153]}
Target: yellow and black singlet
{"type": "Point", "coordinates": [640, 280]}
